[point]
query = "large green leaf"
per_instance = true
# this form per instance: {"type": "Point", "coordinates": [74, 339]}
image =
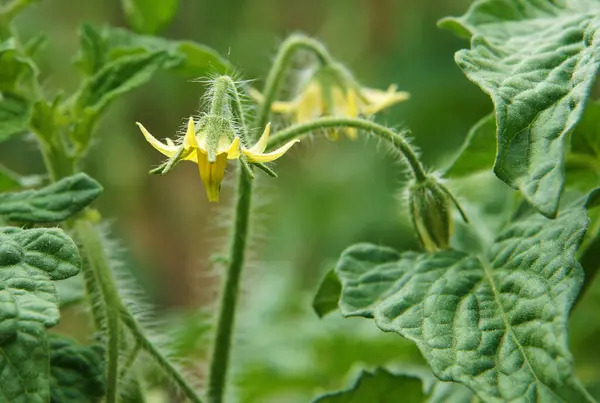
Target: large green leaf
{"type": "Point", "coordinates": [379, 386]}
{"type": "Point", "coordinates": [53, 203]}
{"type": "Point", "coordinates": [29, 261]}
{"type": "Point", "coordinates": [76, 371]}
{"type": "Point", "coordinates": [15, 112]}
{"type": "Point", "coordinates": [496, 322]}
{"type": "Point", "coordinates": [538, 61]}
{"type": "Point", "coordinates": [149, 16]}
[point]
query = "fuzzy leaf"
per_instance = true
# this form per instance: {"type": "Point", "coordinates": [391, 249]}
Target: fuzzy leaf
{"type": "Point", "coordinates": [538, 61]}
{"type": "Point", "coordinates": [328, 294]}
{"type": "Point", "coordinates": [53, 203]}
{"type": "Point", "coordinates": [379, 386]}
{"type": "Point", "coordinates": [478, 150]}
{"type": "Point", "coordinates": [15, 112]}
{"type": "Point", "coordinates": [495, 322]}
{"type": "Point", "coordinates": [76, 371]}
{"type": "Point", "coordinates": [150, 16]}
{"type": "Point", "coordinates": [29, 261]}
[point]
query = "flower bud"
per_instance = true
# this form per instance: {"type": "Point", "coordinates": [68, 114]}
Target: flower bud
{"type": "Point", "coordinates": [429, 204]}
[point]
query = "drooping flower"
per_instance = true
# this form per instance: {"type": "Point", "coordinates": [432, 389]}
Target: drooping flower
{"type": "Point", "coordinates": [326, 97]}
{"type": "Point", "coordinates": [211, 150]}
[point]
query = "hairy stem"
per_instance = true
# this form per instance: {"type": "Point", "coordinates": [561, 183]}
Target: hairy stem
{"type": "Point", "coordinates": [98, 263]}
{"type": "Point", "coordinates": [163, 362]}
{"type": "Point", "coordinates": [280, 65]}
{"type": "Point", "coordinates": [396, 139]}
{"type": "Point", "coordinates": [225, 323]}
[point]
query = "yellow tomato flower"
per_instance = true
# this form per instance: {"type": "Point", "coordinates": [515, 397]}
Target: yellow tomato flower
{"type": "Point", "coordinates": [196, 149]}
{"type": "Point", "coordinates": [314, 102]}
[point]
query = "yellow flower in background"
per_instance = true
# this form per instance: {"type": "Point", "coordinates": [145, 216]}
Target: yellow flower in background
{"type": "Point", "coordinates": [317, 100]}
{"type": "Point", "coordinates": [196, 148]}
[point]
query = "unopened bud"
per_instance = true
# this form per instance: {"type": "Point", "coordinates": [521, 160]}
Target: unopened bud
{"type": "Point", "coordinates": [429, 204]}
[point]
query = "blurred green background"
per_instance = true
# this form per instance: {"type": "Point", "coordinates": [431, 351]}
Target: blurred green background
{"type": "Point", "coordinates": [328, 195]}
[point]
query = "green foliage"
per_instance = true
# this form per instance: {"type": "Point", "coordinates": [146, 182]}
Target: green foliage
{"type": "Point", "coordinates": [14, 115]}
{"type": "Point", "coordinates": [379, 386]}
{"type": "Point", "coordinates": [30, 260]}
{"type": "Point", "coordinates": [100, 46]}
{"type": "Point", "coordinates": [14, 66]}
{"type": "Point", "coordinates": [53, 203]}
{"type": "Point", "coordinates": [76, 371]}
{"type": "Point", "coordinates": [583, 160]}
{"type": "Point", "coordinates": [328, 294]}
{"type": "Point", "coordinates": [149, 16]}
{"type": "Point", "coordinates": [495, 322]}
{"type": "Point", "coordinates": [538, 61]}
{"type": "Point", "coordinates": [478, 151]}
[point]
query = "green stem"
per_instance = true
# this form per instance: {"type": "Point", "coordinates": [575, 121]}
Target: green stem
{"type": "Point", "coordinates": [98, 263]}
{"type": "Point", "coordinates": [282, 60]}
{"type": "Point", "coordinates": [226, 319]}
{"type": "Point", "coordinates": [396, 139]}
{"type": "Point", "coordinates": [162, 361]}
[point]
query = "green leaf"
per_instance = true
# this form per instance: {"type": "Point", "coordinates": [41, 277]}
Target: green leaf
{"type": "Point", "coordinates": [15, 112]}
{"type": "Point", "coordinates": [114, 79]}
{"type": "Point", "coordinates": [14, 67]}
{"type": "Point", "coordinates": [538, 61]}
{"type": "Point", "coordinates": [150, 16]}
{"type": "Point", "coordinates": [583, 160]}
{"type": "Point", "coordinates": [496, 322]}
{"type": "Point", "coordinates": [109, 44]}
{"type": "Point", "coordinates": [29, 261]}
{"type": "Point", "coordinates": [76, 371]}
{"type": "Point", "coordinates": [53, 203]}
{"type": "Point", "coordinates": [477, 152]}
{"type": "Point", "coordinates": [379, 386]}
{"type": "Point", "coordinates": [10, 180]}
{"type": "Point", "coordinates": [328, 294]}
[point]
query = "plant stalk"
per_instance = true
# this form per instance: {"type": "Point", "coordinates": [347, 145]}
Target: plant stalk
{"type": "Point", "coordinates": [226, 319]}
{"type": "Point", "coordinates": [397, 140]}
{"type": "Point", "coordinates": [98, 264]}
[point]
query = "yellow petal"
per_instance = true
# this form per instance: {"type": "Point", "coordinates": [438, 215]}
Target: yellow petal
{"type": "Point", "coordinates": [212, 174]}
{"type": "Point", "coordinates": [261, 144]}
{"type": "Point", "coordinates": [190, 136]}
{"type": "Point", "coordinates": [165, 149]}
{"type": "Point", "coordinates": [268, 157]}
{"type": "Point", "coordinates": [233, 151]}
{"type": "Point", "coordinates": [379, 100]}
